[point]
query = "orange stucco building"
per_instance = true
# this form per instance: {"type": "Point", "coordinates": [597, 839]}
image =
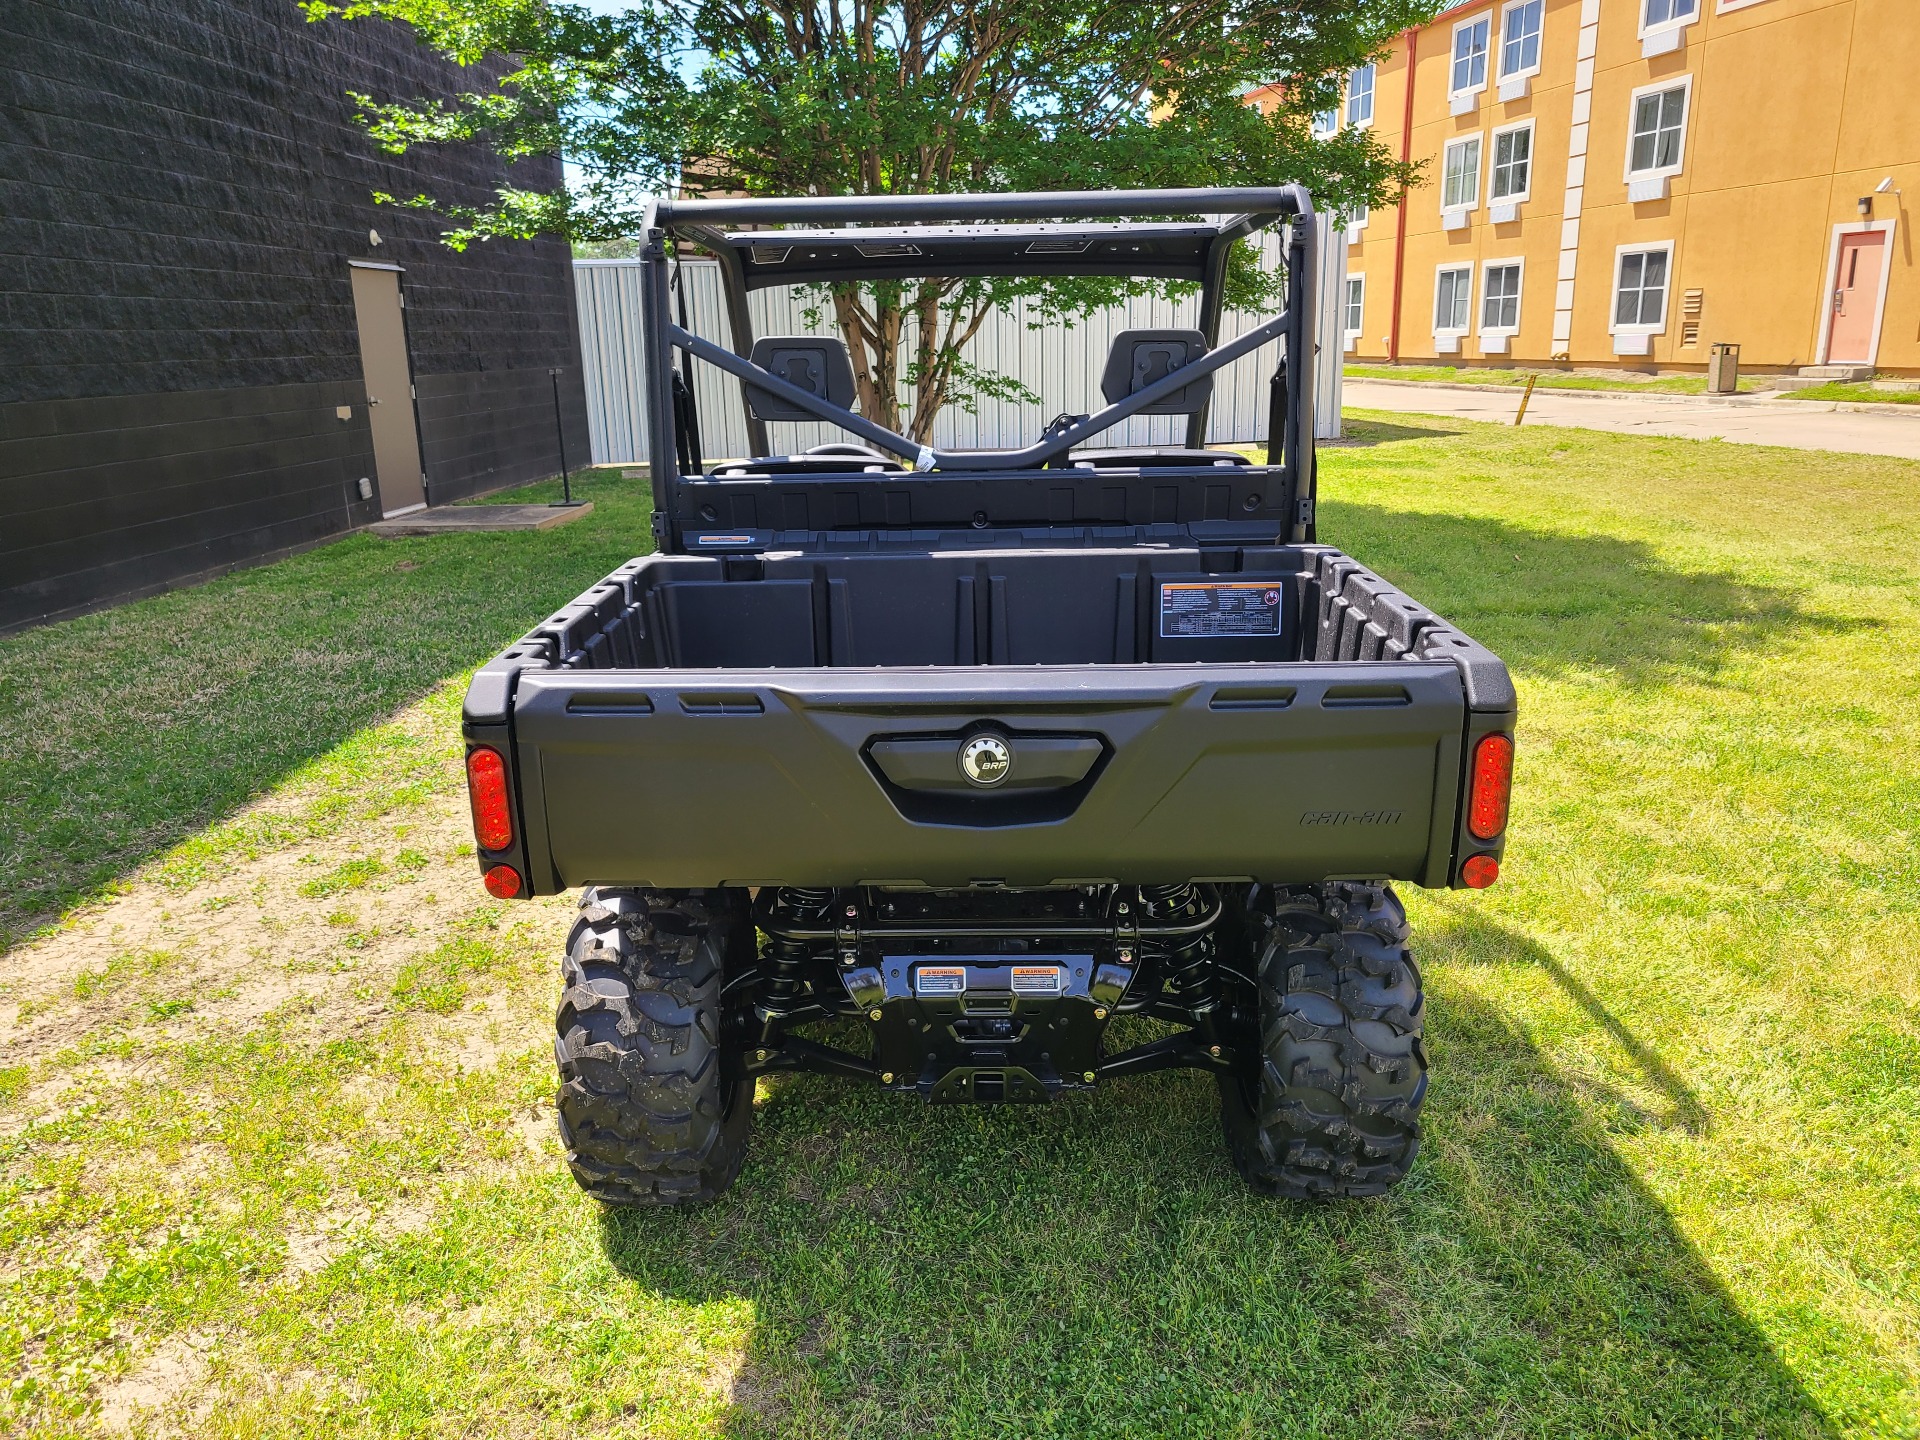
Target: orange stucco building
{"type": "Point", "coordinates": [1630, 182]}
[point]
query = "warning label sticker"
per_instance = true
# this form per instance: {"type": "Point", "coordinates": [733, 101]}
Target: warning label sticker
{"type": "Point", "coordinates": [1209, 608]}
{"type": "Point", "coordinates": [1037, 980]}
{"type": "Point", "coordinates": [940, 980]}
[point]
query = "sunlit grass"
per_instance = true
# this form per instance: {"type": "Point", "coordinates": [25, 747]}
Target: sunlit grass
{"type": "Point", "coordinates": [1544, 379]}
{"type": "Point", "coordinates": [1669, 1186]}
{"type": "Point", "coordinates": [1858, 393]}
{"type": "Point", "coordinates": [128, 731]}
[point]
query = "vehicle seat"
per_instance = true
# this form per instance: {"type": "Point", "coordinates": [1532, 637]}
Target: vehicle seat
{"type": "Point", "coordinates": [818, 364]}
{"type": "Point", "coordinates": [1140, 357]}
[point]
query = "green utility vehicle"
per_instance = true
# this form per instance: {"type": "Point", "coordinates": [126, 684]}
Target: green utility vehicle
{"type": "Point", "coordinates": [927, 768]}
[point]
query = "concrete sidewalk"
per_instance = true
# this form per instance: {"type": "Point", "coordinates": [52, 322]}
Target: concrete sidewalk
{"type": "Point", "coordinates": [1797, 424]}
{"type": "Point", "coordinates": [454, 519]}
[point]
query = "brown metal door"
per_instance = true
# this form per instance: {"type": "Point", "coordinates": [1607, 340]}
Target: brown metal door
{"type": "Point", "coordinates": [1856, 294]}
{"type": "Point", "coordinates": [389, 377]}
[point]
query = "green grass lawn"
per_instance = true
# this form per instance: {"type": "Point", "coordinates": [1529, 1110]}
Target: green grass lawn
{"type": "Point", "coordinates": [1860, 394]}
{"type": "Point", "coordinates": [1545, 379]}
{"type": "Point", "coordinates": [277, 1150]}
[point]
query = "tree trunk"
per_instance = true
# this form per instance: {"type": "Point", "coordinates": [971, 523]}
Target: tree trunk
{"type": "Point", "coordinates": [873, 342]}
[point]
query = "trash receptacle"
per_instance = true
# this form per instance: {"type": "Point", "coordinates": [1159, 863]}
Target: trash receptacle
{"type": "Point", "coordinates": [1723, 370]}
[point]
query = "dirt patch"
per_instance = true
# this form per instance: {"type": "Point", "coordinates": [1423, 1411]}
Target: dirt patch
{"type": "Point", "coordinates": [133, 1404]}
{"type": "Point", "coordinates": [311, 932]}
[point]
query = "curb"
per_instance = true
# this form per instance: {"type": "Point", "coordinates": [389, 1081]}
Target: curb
{"type": "Point", "coordinates": [1771, 400]}
{"type": "Point", "coordinates": [1558, 390]}
{"type": "Point", "coordinates": [1856, 407]}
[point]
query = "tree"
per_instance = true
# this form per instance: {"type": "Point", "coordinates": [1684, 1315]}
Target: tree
{"type": "Point", "coordinates": [834, 97]}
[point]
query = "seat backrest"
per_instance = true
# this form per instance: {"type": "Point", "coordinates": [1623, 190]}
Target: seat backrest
{"type": "Point", "coordinates": [818, 364]}
{"type": "Point", "coordinates": [1140, 357]}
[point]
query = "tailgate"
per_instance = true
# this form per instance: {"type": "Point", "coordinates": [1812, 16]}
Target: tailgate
{"type": "Point", "coordinates": [1288, 773]}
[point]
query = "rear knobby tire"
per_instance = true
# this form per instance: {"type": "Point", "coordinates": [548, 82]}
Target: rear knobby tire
{"type": "Point", "coordinates": [1331, 1106]}
{"type": "Point", "coordinates": [647, 1112]}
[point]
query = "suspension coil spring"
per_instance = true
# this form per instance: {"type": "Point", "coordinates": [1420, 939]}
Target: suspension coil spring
{"type": "Point", "coordinates": [784, 989]}
{"type": "Point", "coordinates": [1187, 971]}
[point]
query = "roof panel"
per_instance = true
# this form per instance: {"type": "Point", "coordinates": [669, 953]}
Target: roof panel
{"type": "Point", "coordinates": [790, 257]}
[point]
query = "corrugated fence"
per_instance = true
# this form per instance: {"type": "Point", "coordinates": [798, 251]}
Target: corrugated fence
{"type": "Point", "coordinates": [1062, 368]}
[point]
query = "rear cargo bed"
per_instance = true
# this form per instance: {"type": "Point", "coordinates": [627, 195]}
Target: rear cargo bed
{"type": "Point", "coordinates": [1253, 713]}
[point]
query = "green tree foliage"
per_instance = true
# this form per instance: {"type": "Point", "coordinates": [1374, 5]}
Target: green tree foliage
{"type": "Point", "coordinates": [833, 97]}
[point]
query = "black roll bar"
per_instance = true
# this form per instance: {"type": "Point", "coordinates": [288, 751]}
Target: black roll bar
{"type": "Point", "coordinates": [1291, 450]}
{"type": "Point", "coordinates": [1055, 442]}
{"type": "Point", "coordinates": [1283, 200]}
{"type": "Point", "coordinates": [739, 322]}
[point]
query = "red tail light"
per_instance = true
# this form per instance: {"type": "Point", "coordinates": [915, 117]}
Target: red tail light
{"type": "Point", "coordinates": [502, 882]}
{"type": "Point", "coordinates": [1492, 786]}
{"type": "Point", "coordinates": [487, 788]}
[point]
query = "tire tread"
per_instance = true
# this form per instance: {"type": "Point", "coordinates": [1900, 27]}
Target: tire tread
{"type": "Point", "coordinates": [646, 1112]}
{"type": "Point", "coordinates": [1334, 1109]}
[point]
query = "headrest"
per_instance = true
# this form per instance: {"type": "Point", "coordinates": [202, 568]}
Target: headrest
{"type": "Point", "coordinates": [817, 364]}
{"type": "Point", "coordinates": [1141, 357]}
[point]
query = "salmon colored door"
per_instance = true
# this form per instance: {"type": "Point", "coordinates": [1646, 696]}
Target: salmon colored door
{"type": "Point", "coordinates": [1856, 294]}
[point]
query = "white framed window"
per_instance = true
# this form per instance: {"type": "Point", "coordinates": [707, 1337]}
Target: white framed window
{"type": "Point", "coordinates": [1326, 123]}
{"type": "Point", "coordinates": [1360, 97]}
{"type": "Point", "coordinates": [1460, 174]}
{"type": "Point", "coordinates": [1500, 296]}
{"type": "Point", "coordinates": [1356, 222]}
{"type": "Point", "coordinates": [1354, 308]}
{"type": "Point", "coordinates": [1470, 43]}
{"type": "Point", "coordinates": [1453, 300]}
{"type": "Point", "coordinates": [1660, 14]}
{"type": "Point", "coordinates": [1642, 276]}
{"type": "Point", "coordinates": [1510, 178]}
{"type": "Point", "coordinates": [1520, 39]}
{"type": "Point", "coordinates": [1657, 128]}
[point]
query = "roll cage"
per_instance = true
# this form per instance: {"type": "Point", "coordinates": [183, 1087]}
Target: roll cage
{"type": "Point", "coordinates": [827, 239]}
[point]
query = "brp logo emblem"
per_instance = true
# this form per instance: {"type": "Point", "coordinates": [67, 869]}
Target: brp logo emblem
{"type": "Point", "coordinates": [985, 760]}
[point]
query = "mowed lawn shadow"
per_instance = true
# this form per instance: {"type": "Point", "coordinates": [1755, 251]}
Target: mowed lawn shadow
{"type": "Point", "coordinates": [128, 730]}
{"type": "Point", "coordinates": [1364, 434]}
{"type": "Point", "coordinates": [1550, 602]}
{"type": "Point", "coordinates": [1095, 1268]}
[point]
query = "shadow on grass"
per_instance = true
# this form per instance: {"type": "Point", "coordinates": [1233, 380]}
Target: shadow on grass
{"type": "Point", "coordinates": [129, 730]}
{"type": "Point", "coordinates": [1474, 939]}
{"type": "Point", "coordinates": [1551, 602]}
{"type": "Point", "coordinates": [1362, 434]}
{"type": "Point", "coordinates": [1094, 1268]}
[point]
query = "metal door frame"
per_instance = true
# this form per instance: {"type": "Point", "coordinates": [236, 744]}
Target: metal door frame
{"type": "Point", "coordinates": [1855, 227]}
{"type": "Point", "coordinates": [413, 389]}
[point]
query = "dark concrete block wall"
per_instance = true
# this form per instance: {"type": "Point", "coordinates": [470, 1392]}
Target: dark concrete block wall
{"type": "Point", "coordinates": [182, 185]}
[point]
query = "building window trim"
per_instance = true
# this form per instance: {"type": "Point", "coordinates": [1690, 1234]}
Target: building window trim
{"type": "Point", "coordinates": [1517, 262]}
{"type": "Point", "coordinates": [1725, 6]}
{"type": "Point", "coordinates": [1346, 103]}
{"type": "Point", "coordinates": [1661, 27]}
{"type": "Point", "coordinates": [1539, 46]}
{"type": "Point", "coordinates": [1460, 142]}
{"type": "Point", "coordinates": [1453, 267]}
{"type": "Point", "coordinates": [1683, 83]}
{"type": "Point", "coordinates": [1640, 247]}
{"type": "Point", "coordinates": [1486, 57]}
{"type": "Point", "coordinates": [1350, 333]}
{"type": "Point", "coordinates": [1525, 193]}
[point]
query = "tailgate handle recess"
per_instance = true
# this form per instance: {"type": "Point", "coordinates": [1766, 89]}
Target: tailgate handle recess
{"type": "Point", "coordinates": [1252, 697]}
{"type": "Point", "coordinates": [1363, 697]}
{"type": "Point", "coordinates": [609, 702]}
{"type": "Point", "coordinates": [1039, 763]}
{"type": "Point", "coordinates": [730, 703]}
